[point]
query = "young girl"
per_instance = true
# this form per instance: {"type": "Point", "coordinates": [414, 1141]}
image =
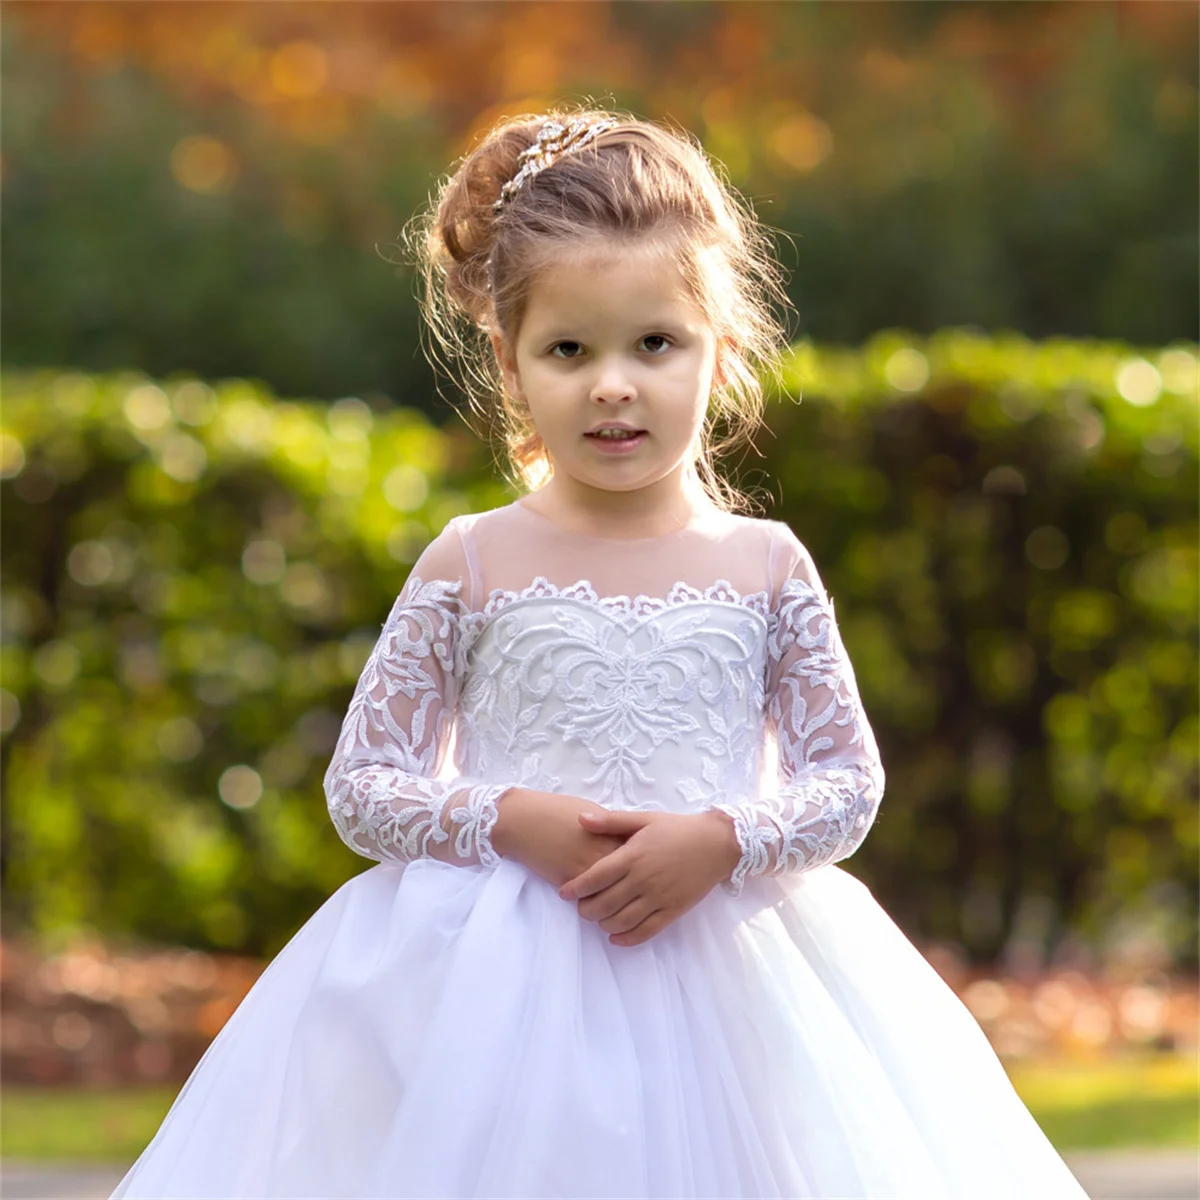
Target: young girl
{"type": "Point", "coordinates": [606, 951]}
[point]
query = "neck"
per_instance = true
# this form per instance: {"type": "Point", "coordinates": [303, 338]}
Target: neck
{"type": "Point", "coordinates": [659, 508]}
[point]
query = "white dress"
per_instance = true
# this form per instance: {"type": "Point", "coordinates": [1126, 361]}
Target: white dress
{"type": "Point", "coordinates": [446, 1025]}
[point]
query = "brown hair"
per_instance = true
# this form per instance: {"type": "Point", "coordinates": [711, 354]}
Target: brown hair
{"type": "Point", "coordinates": [636, 179]}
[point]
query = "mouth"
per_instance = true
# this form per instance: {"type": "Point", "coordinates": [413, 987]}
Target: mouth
{"type": "Point", "coordinates": [614, 434]}
{"type": "Point", "coordinates": [616, 441]}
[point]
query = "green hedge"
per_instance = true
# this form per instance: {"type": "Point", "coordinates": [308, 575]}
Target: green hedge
{"type": "Point", "coordinates": [1009, 529]}
{"type": "Point", "coordinates": [195, 574]}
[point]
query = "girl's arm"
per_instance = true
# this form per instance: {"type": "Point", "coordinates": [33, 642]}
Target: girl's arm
{"type": "Point", "coordinates": [831, 778]}
{"type": "Point", "coordinates": [380, 786]}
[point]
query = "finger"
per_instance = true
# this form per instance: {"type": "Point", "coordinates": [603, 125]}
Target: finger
{"type": "Point", "coordinates": [614, 822]}
{"type": "Point", "coordinates": [597, 877]}
{"type": "Point", "coordinates": [610, 901]}
{"type": "Point", "coordinates": [643, 932]}
{"type": "Point", "coordinates": [628, 917]}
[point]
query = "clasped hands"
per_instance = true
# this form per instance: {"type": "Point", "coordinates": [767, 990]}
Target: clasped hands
{"type": "Point", "coordinates": [633, 872]}
{"type": "Point", "coordinates": [668, 864]}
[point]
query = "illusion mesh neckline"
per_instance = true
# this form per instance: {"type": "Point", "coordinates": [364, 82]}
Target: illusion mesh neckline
{"type": "Point", "coordinates": [598, 537]}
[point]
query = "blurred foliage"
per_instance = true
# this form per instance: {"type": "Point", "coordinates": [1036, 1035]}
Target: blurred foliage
{"type": "Point", "coordinates": [194, 578]}
{"type": "Point", "coordinates": [196, 573]}
{"type": "Point", "coordinates": [1011, 531]}
{"type": "Point", "coordinates": [219, 187]}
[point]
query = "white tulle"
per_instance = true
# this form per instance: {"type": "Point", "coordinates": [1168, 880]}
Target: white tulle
{"type": "Point", "coordinates": [446, 1025]}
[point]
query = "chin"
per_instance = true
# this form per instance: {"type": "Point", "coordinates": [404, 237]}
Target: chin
{"type": "Point", "coordinates": [619, 481]}
{"type": "Point", "coordinates": [608, 484]}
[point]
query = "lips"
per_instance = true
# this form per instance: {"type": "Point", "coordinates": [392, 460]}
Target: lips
{"type": "Point", "coordinates": [614, 433]}
{"type": "Point", "coordinates": [620, 441]}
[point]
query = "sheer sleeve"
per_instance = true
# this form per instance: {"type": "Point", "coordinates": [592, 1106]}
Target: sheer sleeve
{"type": "Point", "coordinates": [380, 785]}
{"type": "Point", "coordinates": [831, 778]}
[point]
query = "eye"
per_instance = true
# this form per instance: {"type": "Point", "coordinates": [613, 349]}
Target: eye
{"type": "Point", "coordinates": [656, 343]}
{"type": "Point", "coordinates": [571, 350]}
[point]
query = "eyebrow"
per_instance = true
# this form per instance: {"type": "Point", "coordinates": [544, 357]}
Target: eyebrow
{"type": "Point", "coordinates": [565, 333]}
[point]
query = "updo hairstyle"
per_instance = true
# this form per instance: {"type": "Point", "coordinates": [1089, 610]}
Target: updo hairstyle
{"type": "Point", "coordinates": [634, 180]}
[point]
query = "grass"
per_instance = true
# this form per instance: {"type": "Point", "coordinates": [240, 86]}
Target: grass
{"type": "Point", "coordinates": [1143, 1101]}
{"type": "Point", "coordinates": [1149, 1101]}
{"type": "Point", "coordinates": [108, 1125]}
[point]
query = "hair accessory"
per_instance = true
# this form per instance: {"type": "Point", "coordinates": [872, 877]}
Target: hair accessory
{"type": "Point", "coordinates": [553, 140]}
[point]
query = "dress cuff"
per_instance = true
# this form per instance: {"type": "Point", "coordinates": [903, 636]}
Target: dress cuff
{"type": "Point", "coordinates": [752, 838]}
{"type": "Point", "coordinates": [476, 819]}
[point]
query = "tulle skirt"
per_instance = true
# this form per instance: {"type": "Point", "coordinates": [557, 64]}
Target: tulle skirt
{"type": "Point", "coordinates": [444, 1031]}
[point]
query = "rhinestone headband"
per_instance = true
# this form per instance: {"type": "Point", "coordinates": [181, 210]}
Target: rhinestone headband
{"type": "Point", "coordinates": [553, 141]}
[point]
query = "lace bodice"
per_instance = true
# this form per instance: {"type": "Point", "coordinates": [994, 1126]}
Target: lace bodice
{"type": "Point", "coordinates": [730, 688]}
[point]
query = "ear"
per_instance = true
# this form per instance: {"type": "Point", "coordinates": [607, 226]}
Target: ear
{"type": "Point", "coordinates": [725, 348]}
{"type": "Point", "coordinates": [507, 363]}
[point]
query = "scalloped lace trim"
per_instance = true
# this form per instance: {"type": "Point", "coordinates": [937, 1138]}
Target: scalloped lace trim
{"type": "Point", "coordinates": [624, 605]}
{"type": "Point", "coordinates": [625, 609]}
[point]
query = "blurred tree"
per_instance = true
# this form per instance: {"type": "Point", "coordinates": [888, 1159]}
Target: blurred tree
{"type": "Point", "coordinates": [219, 187]}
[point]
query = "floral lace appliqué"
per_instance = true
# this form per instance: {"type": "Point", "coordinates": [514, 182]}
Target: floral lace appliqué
{"type": "Point", "coordinates": [833, 778]}
{"type": "Point", "coordinates": [634, 701]}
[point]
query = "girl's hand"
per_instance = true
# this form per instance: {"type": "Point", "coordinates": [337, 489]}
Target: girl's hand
{"type": "Point", "coordinates": [669, 864]}
{"type": "Point", "coordinates": [542, 831]}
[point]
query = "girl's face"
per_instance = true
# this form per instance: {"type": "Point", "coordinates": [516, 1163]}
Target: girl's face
{"type": "Point", "coordinates": [612, 337]}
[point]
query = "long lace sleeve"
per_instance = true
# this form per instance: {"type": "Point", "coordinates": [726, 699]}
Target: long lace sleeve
{"type": "Point", "coordinates": [380, 785]}
{"type": "Point", "coordinates": [831, 778]}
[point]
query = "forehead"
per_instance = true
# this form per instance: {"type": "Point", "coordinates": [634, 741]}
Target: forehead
{"type": "Point", "coordinates": [627, 283]}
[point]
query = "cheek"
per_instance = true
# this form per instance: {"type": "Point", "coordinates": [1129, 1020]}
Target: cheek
{"type": "Point", "coordinates": [550, 413]}
{"type": "Point", "coordinates": [692, 391]}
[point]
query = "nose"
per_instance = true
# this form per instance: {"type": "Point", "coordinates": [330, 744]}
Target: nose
{"type": "Point", "coordinates": [612, 383]}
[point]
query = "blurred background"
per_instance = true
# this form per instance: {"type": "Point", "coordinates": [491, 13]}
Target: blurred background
{"type": "Point", "coordinates": [221, 450]}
